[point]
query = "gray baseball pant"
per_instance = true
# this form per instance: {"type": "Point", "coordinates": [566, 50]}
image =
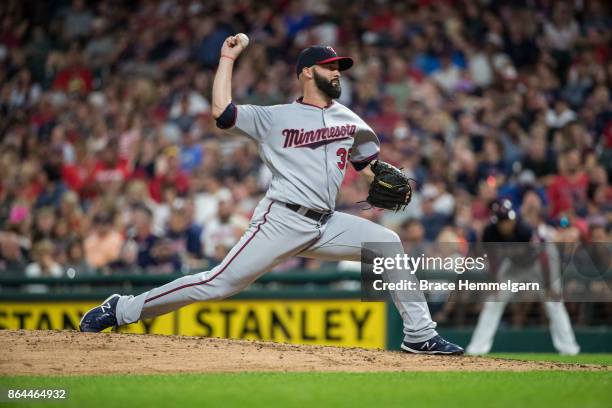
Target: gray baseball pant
{"type": "Point", "coordinates": [275, 234]}
{"type": "Point", "coordinates": [561, 330]}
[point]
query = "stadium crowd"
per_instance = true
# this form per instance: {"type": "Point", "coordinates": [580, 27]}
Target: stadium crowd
{"type": "Point", "coordinates": [111, 162]}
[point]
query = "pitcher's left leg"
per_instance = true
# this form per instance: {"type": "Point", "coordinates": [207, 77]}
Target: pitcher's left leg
{"type": "Point", "coordinates": [341, 239]}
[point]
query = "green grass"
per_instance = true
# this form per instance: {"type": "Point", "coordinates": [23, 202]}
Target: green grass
{"type": "Point", "coordinates": [595, 358]}
{"type": "Point", "coordinates": [468, 389]}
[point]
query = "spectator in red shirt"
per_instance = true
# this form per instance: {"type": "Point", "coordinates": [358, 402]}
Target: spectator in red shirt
{"type": "Point", "coordinates": [75, 77]}
{"type": "Point", "coordinates": [168, 172]}
{"type": "Point", "coordinates": [110, 172]}
{"type": "Point", "coordinates": [385, 122]}
{"type": "Point", "coordinates": [568, 190]}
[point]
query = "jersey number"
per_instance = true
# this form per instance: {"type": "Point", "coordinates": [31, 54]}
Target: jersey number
{"type": "Point", "coordinates": [342, 153]}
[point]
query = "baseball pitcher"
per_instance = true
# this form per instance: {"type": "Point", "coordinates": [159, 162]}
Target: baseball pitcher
{"type": "Point", "coordinates": [307, 146]}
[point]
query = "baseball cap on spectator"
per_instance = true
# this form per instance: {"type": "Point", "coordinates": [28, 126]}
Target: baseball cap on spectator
{"type": "Point", "coordinates": [319, 54]}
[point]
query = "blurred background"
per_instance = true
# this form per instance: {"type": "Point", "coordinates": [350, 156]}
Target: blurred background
{"type": "Point", "coordinates": [111, 164]}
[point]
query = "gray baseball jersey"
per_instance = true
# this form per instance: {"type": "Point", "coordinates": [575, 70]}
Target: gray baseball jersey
{"type": "Point", "coordinates": [307, 148]}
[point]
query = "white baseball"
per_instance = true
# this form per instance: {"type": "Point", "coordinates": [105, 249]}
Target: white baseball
{"type": "Point", "coordinates": [244, 39]}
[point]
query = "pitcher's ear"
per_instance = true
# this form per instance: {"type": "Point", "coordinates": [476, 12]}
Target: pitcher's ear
{"type": "Point", "coordinates": [308, 72]}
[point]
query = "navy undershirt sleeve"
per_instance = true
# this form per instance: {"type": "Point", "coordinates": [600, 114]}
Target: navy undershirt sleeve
{"type": "Point", "coordinates": [360, 165]}
{"type": "Point", "coordinates": [228, 118]}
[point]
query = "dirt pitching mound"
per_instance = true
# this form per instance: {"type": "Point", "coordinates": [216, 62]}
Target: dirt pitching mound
{"type": "Point", "coordinates": [72, 353]}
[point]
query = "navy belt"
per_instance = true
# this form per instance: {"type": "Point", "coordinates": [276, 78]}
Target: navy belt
{"type": "Point", "coordinates": [312, 214]}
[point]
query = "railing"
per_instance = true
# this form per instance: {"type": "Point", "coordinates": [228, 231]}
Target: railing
{"type": "Point", "coordinates": [327, 283]}
{"type": "Point", "coordinates": [290, 277]}
{"type": "Point", "coordinates": [290, 284]}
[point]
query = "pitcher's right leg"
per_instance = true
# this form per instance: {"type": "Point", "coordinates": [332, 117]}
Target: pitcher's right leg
{"type": "Point", "coordinates": [274, 234]}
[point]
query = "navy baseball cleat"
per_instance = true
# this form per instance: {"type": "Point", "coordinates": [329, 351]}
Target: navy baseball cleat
{"type": "Point", "coordinates": [435, 345]}
{"type": "Point", "coordinates": [100, 317]}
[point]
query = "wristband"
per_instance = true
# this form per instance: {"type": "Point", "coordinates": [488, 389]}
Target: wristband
{"type": "Point", "coordinates": [227, 56]}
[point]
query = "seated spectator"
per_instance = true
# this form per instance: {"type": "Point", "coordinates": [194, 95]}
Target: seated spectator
{"type": "Point", "coordinates": [74, 75]}
{"type": "Point", "coordinates": [70, 211]}
{"type": "Point", "coordinates": [184, 233]}
{"type": "Point", "coordinates": [191, 152]}
{"type": "Point", "coordinates": [225, 230]}
{"type": "Point", "coordinates": [75, 260]}
{"type": "Point", "coordinates": [560, 115]}
{"type": "Point", "coordinates": [99, 49]}
{"type": "Point", "coordinates": [599, 203]}
{"type": "Point", "coordinates": [539, 158]}
{"type": "Point", "coordinates": [533, 213]}
{"type": "Point", "coordinates": [513, 139]}
{"type": "Point", "coordinates": [412, 234]}
{"type": "Point", "coordinates": [598, 233]}
{"type": "Point", "coordinates": [51, 186]}
{"type": "Point", "coordinates": [210, 191]}
{"type": "Point", "coordinates": [467, 177]}
{"type": "Point", "coordinates": [151, 255]}
{"type": "Point", "coordinates": [169, 173]}
{"type": "Point", "coordinates": [466, 227]}
{"type": "Point", "coordinates": [110, 171]}
{"type": "Point", "coordinates": [448, 75]}
{"type": "Point", "coordinates": [44, 221]}
{"type": "Point", "coordinates": [103, 245]}
{"type": "Point", "coordinates": [433, 219]}
{"type": "Point", "coordinates": [44, 265]}
{"type": "Point", "coordinates": [492, 164]}
{"type": "Point", "coordinates": [14, 251]}
{"type": "Point", "coordinates": [516, 187]}
{"type": "Point", "coordinates": [568, 189]}
{"type": "Point", "coordinates": [77, 19]}
{"type": "Point", "coordinates": [61, 237]}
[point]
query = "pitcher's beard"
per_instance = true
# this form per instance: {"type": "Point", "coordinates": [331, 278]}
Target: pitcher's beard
{"type": "Point", "coordinates": [329, 89]}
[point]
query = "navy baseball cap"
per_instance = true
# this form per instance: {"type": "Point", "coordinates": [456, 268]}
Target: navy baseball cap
{"type": "Point", "coordinates": [320, 54]}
